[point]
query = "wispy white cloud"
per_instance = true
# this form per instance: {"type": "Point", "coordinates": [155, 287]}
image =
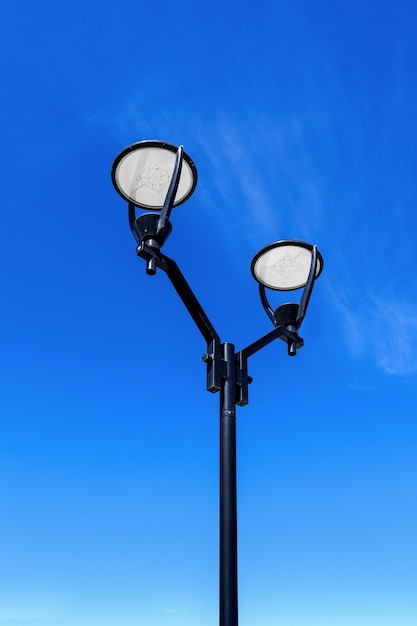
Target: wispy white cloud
{"type": "Point", "coordinates": [266, 183]}
{"type": "Point", "coordinates": [380, 327]}
{"type": "Point", "coordinates": [239, 179]}
{"type": "Point", "coordinates": [126, 124]}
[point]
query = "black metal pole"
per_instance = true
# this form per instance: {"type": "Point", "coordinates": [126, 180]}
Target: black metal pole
{"type": "Point", "coordinates": [228, 504]}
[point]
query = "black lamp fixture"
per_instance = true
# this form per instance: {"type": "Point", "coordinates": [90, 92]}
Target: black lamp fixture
{"type": "Point", "coordinates": [158, 176]}
{"type": "Point", "coordinates": [153, 175]}
{"type": "Point", "coordinates": [285, 266]}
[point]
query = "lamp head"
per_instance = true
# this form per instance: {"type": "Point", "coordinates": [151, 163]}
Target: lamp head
{"type": "Point", "coordinates": [142, 174]}
{"type": "Point", "coordinates": [285, 265]}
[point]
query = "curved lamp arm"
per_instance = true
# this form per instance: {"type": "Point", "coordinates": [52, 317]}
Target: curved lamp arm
{"type": "Point", "coordinates": [305, 298]}
{"type": "Point", "coordinates": [173, 186]}
{"type": "Point", "coordinates": [132, 215]}
{"type": "Point", "coordinates": [268, 309]}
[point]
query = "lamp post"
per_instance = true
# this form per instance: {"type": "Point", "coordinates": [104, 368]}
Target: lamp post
{"type": "Point", "coordinates": [158, 176]}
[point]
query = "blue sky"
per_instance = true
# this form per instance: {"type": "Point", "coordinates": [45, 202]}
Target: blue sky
{"type": "Point", "coordinates": [300, 117]}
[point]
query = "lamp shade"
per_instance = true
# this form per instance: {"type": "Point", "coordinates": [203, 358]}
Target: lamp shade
{"type": "Point", "coordinates": [285, 265]}
{"type": "Point", "coordinates": [142, 173]}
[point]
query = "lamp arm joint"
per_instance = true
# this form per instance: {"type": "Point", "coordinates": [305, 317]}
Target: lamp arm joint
{"type": "Point", "coordinates": [243, 379]}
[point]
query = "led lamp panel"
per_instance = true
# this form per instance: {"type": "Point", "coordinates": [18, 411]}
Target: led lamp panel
{"type": "Point", "coordinates": [142, 173]}
{"type": "Point", "coordinates": [285, 265]}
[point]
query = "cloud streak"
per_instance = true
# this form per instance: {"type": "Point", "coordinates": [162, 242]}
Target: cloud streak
{"type": "Point", "coordinates": [382, 328]}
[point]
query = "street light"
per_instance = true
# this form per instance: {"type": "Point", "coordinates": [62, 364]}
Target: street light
{"type": "Point", "coordinates": [158, 176]}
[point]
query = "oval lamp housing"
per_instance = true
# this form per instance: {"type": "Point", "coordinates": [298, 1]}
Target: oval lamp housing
{"type": "Point", "coordinates": [142, 173]}
{"type": "Point", "coordinates": [285, 265]}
